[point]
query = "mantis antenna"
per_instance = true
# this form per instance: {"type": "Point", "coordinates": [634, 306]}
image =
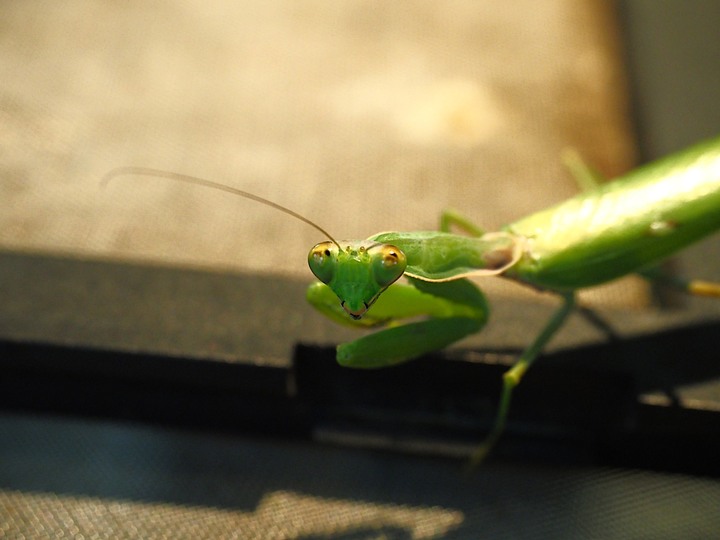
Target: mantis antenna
{"type": "Point", "coordinates": [147, 171]}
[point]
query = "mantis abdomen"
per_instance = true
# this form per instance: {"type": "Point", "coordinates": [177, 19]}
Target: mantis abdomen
{"type": "Point", "coordinates": [623, 226]}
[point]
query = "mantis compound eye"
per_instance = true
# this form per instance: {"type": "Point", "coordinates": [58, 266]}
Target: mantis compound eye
{"type": "Point", "coordinates": [322, 260]}
{"type": "Point", "coordinates": [388, 263]}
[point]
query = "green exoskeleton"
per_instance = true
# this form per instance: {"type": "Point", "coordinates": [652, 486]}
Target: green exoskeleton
{"type": "Point", "coordinates": [605, 232]}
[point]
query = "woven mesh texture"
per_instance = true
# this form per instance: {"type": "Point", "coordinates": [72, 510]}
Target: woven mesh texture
{"type": "Point", "coordinates": [362, 118]}
{"type": "Point", "coordinates": [61, 478]}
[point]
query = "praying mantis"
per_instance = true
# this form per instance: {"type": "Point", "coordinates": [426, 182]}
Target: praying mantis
{"type": "Point", "coordinates": [607, 231]}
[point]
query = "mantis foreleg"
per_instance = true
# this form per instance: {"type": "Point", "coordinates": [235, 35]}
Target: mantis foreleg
{"type": "Point", "coordinates": [455, 310]}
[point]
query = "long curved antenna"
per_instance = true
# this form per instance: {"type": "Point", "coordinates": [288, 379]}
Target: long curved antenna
{"type": "Point", "coordinates": [147, 171]}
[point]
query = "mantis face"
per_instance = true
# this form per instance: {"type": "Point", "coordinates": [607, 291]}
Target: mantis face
{"type": "Point", "coordinates": [357, 274]}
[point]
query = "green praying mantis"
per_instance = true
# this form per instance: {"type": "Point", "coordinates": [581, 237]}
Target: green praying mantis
{"type": "Point", "coordinates": [608, 230]}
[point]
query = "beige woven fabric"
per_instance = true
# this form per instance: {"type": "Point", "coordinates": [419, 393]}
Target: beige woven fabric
{"type": "Point", "coordinates": [363, 116]}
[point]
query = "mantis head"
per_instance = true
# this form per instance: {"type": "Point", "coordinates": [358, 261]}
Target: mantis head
{"type": "Point", "coordinates": [357, 274]}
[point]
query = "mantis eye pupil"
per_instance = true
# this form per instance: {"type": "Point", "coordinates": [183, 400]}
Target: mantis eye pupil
{"type": "Point", "coordinates": [390, 258]}
{"type": "Point", "coordinates": [321, 261]}
{"type": "Point", "coordinates": [390, 265]}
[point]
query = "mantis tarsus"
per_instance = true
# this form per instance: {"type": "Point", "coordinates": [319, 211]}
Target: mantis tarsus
{"type": "Point", "coordinates": [607, 231]}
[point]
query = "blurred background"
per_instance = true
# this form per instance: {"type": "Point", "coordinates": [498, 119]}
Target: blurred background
{"type": "Point", "coordinates": [363, 116]}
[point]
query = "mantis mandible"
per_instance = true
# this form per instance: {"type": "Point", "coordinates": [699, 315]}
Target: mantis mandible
{"type": "Point", "coordinates": [609, 230]}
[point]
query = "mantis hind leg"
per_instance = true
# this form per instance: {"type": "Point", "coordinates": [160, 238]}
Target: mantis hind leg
{"type": "Point", "coordinates": [513, 376]}
{"type": "Point", "coordinates": [455, 310]}
{"type": "Point", "coordinates": [702, 288]}
{"type": "Point", "coordinates": [693, 287]}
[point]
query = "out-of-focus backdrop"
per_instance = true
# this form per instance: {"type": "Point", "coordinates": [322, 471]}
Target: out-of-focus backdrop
{"type": "Point", "coordinates": [151, 385]}
{"type": "Point", "coordinates": [364, 117]}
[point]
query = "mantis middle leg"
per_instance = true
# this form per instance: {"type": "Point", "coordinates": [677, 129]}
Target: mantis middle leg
{"type": "Point", "coordinates": [452, 217]}
{"type": "Point", "coordinates": [513, 376]}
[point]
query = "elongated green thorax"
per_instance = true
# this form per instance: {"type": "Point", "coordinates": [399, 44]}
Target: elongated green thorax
{"type": "Point", "coordinates": [441, 256]}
